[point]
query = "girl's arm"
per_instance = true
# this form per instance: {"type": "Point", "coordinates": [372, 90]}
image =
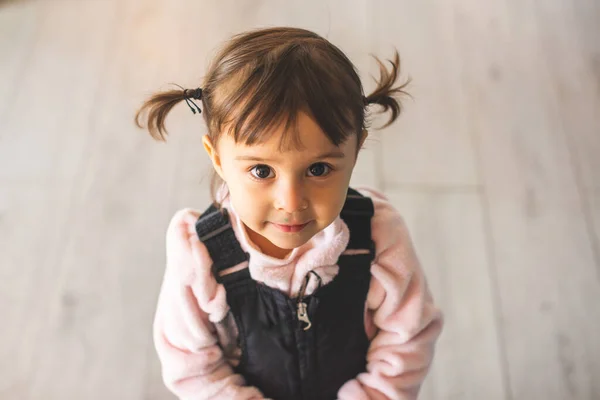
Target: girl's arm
{"type": "Point", "coordinates": [401, 319]}
{"type": "Point", "coordinates": [190, 304]}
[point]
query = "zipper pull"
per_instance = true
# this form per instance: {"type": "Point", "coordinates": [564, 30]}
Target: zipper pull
{"type": "Point", "coordinates": [303, 315]}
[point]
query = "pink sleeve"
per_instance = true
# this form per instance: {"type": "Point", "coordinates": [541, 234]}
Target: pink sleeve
{"type": "Point", "coordinates": [189, 304]}
{"type": "Point", "coordinates": [404, 320]}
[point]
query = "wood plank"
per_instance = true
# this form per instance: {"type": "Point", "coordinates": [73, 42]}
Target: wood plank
{"type": "Point", "coordinates": [18, 22]}
{"type": "Point", "coordinates": [32, 228]}
{"type": "Point", "coordinates": [42, 138]}
{"type": "Point", "coordinates": [576, 88]}
{"type": "Point", "coordinates": [41, 145]}
{"type": "Point", "coordinates": [593, 199]}
{"type": "Point", "coordinates": [98, 319]}
{"type": "Point", "coordinates": [430, 143]}
{"type": "Point", "coordinates": [578, 79]}
{"type": "Point", "coordinates": [468, 362]}
{"type": "Point", "coordinates": [545, 268]}
{"type": "Point", "coordinates": [576, 84]}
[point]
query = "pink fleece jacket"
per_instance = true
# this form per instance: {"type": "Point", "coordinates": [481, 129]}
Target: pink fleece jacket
{"type": "Point", "coordinates": [194, 333]}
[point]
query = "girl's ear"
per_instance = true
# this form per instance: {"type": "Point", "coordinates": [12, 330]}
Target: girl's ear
{"type": "Point", "coordinates": [211, 150]}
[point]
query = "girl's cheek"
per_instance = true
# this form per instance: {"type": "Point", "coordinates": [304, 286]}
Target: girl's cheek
{"type": "Point", "coordinates": [253, 188]}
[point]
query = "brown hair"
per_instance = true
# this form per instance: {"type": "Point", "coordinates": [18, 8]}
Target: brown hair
{"type": "Point", "coordinates": [261, 79]}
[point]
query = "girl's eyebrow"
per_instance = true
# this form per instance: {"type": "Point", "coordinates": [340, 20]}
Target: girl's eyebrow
{"type": "Point", "coordinates": [331, 154]}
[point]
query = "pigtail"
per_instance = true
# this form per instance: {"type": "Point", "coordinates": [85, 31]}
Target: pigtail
{"type": "Point", "coordinates": [154, 111]}
{"type": "Point", "coordinates": [385, 94]}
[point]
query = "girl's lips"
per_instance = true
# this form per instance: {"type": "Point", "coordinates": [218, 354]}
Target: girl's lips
{"type": "Point", "coordinates": [290, 228]}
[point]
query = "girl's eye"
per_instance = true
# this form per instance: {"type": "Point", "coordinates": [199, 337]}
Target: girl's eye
{"type": "Point", "coordinates": [261, 171]}
{"type": "Point", "coordinates": [319, 169]}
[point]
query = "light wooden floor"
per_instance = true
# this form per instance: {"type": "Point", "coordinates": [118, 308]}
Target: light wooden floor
{"type": "Point", "coordinates": [495, 165]}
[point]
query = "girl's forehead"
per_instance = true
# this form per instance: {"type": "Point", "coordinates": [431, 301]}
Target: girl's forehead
{"type": "Point", "coordinates": [308, 139]}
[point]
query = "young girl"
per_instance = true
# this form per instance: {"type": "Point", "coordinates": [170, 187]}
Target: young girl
{"type": "Point", "coordinates": [291, 285]}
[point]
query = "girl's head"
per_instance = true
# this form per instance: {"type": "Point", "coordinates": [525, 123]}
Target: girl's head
{"type": "Point", "coordinates": [285, 113]}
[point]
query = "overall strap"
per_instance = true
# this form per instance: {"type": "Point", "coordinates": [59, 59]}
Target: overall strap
{"type": "Point", "coordinates": [357, 213]}
{"type": "Point", "coordinates": [215, 231]}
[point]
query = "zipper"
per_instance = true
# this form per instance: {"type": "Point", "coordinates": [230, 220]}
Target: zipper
{"type": "Point", "coordinates": [302, 308]}
{"type": "Point", "coordinates": [303, 315]}
{"type": "Point", "coordinates": [304, 337]}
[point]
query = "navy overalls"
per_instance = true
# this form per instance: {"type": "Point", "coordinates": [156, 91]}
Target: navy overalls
{"type": "Point", "coordinates": [305, 347]}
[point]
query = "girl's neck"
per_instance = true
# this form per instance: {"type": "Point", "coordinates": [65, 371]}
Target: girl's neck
{"type": "Point", "coordinates": [265, 246]}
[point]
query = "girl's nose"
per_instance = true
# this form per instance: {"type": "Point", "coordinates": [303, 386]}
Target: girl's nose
{"type": "Point", "coordinates": [290, 198]}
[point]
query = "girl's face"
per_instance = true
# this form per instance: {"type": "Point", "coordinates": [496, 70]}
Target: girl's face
{"type": "Point", "coordinates": [285, 198]}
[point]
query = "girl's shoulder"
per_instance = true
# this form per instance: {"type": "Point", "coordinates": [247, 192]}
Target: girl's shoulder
{"type": "Point", "coordinates": [384, 210]}
{"type": "Point", "coordinates": [186, 256]}
{"type": "Point", "coordinates": [189, 267]}
{"type": "Point", "coordinates": [388, 227]}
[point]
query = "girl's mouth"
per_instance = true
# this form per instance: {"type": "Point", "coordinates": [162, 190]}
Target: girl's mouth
{"type": "Point", "coordinates": [290, 228]}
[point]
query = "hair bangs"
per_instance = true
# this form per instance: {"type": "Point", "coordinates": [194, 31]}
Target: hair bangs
{"type": "Point", "coordinates": [265, 99]}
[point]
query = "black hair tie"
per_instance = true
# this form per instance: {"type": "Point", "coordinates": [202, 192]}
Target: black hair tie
{"type": "Point", "coordinates": [189, 95]}
{"type": "Point", "coordinates": [195, 94]}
